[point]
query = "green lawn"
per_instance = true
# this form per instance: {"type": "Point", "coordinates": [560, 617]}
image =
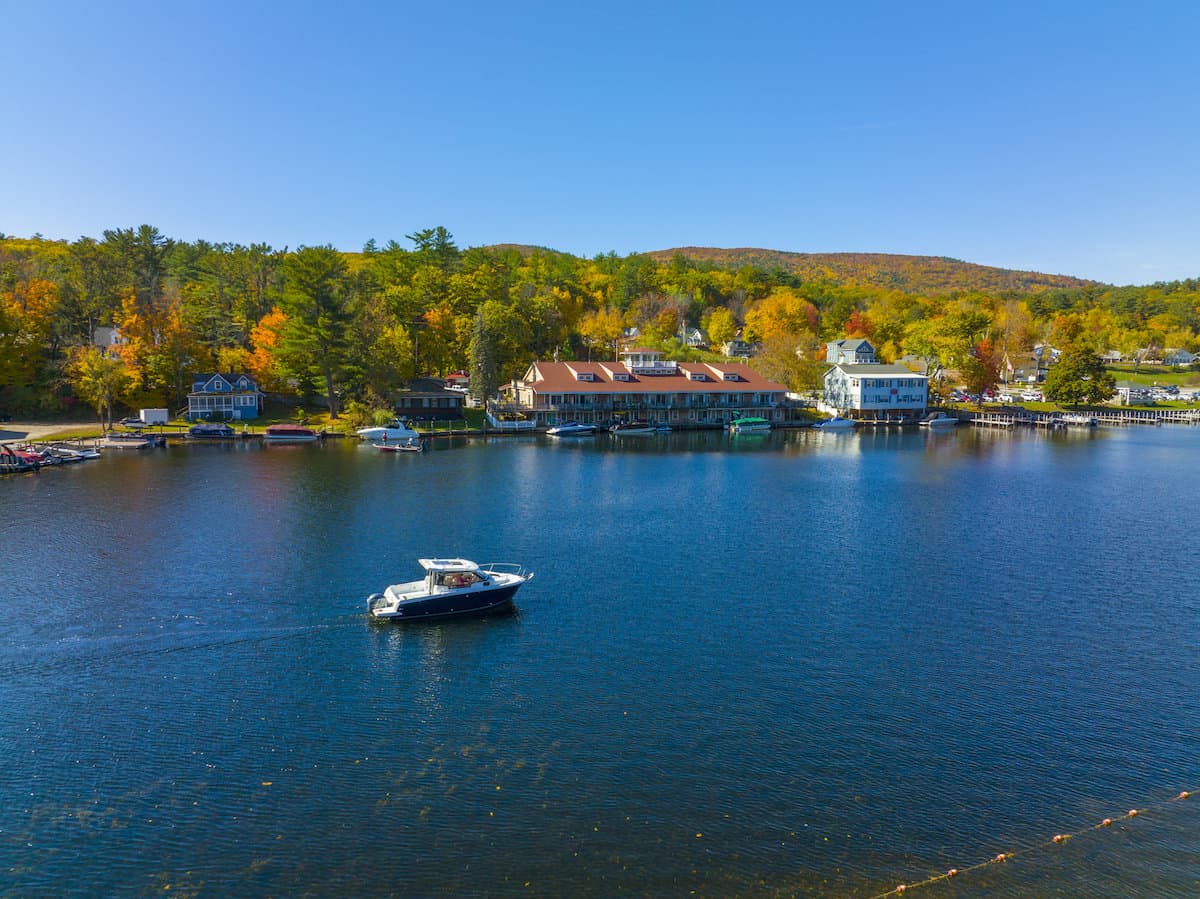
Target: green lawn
{"type": "Point", "coordinates": [1150, 375]}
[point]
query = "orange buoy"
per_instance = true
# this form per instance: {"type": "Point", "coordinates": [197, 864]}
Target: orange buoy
{"type": "Point", "coordinates": [1061, 837]}
{"type": "Point", "coordinates": [952, 872]}
{"type": "Point", "coordinates": [1184, 795]}
{"type": "Point", "coordinates": [1133, 813]}
{"type": "Point", "coordinates": [1002, 857]}
{"type": "Point", "coordinates": [901, 888]}
{"type": "Point", "coordinates": [1107, 822]}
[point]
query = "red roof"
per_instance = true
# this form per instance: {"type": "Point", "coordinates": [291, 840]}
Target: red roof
{"type": "Point", "coordinates": [559, 377]}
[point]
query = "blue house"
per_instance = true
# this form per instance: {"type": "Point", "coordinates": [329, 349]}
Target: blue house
{"type": "Point", "coordinates": [224, 396]}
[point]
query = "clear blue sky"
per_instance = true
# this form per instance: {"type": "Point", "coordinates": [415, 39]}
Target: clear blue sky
{"type": "Point", "coordinates": [1058, 137]}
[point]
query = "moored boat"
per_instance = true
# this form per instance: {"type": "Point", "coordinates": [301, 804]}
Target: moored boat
{"type": "Point", "coordinates": [127, 441]}
{"type": "Point", "coordinates": [451, 588]}
{"type": "Point", "coordinates": [211, 431]}
{"type": "Point", "coordinates": [571, 429]}
{"type": "Point", "coordinates": [939, 420]}
{"type": "Point", "coordinates": [631, 428]}
{"type": "Point", "coordinates": [397, 430]}
{"type": "Point", "coordinates": [1080, 420]}
{"type": "Point", "coordinates": [290, 434]}
{"type": "Point", "coordinates": [749, 425]}
{"type": "Point", "coordinates": [836, 424]}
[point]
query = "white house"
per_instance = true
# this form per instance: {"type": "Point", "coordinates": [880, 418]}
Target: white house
{"type": "Point", "coordinates": [871, 389]}
{"type": "Point", "coordinates": [108, 339]}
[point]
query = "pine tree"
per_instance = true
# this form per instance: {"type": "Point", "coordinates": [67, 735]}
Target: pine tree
{"type": "Point", "coordinates": [484, 375]}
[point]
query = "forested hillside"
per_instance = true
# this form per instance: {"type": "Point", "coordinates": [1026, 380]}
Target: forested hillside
{"type": "Point", "coordinates": [911, 274]}
{"type": "Point", "coordinates": [332, 327]}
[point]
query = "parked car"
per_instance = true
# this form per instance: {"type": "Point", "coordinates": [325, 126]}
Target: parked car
{"type": "Point", "coordinates": [1032, 396]}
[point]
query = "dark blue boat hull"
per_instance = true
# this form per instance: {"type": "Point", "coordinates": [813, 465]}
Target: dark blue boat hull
{"type": "Point", "coordinates": [457, 605]}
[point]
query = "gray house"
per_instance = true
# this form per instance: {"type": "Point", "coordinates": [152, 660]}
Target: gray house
{"type": "Point", "coordinates": [852, 351]}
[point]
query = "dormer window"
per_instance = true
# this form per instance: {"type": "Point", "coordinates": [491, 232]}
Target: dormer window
{"type": "Point", "coordinates": [730, 376]}
{"type": "Point", "coordinates": [585, 376]}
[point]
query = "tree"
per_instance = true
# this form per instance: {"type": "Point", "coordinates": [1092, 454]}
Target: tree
{"type": "Point", "coordinates": [720, 327]}
{"type": "Point", "coordinates": [981, 369]}
{"type": "Point", "coordinates": [484, 370]}
{"type": "Point", "coordinates": [604, 327]}
{"type": "Point", "coordinates": [314, 300]}
{"type": "Point", "coordinates": [1078, 377]}
{"type": "Point", "coordinates": [99, 380]}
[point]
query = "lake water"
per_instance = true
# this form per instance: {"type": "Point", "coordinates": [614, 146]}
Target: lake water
{"type": "Point", "coordinates": [793, 664]}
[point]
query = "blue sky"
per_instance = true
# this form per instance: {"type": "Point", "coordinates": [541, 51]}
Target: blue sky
{"type": "Point", "coordinates": [1057, 137]}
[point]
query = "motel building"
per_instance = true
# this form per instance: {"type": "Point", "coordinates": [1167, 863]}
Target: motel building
{"type": "Point", "coordinates": [859, 387]}
{"type": "Point", "coordinates": [641, 386]}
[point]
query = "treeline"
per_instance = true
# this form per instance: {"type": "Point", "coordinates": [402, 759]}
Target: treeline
{"type": "Point", "coordinates": [337, 327]}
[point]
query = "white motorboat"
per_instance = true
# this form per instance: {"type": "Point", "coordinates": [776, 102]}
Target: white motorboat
{"type": "Point", "coordinates": [394, 432]}
{"type": "Point", "coordinates": [451, 588]}
{"type": "Point", "coordinates": [113, 440]}
{"type": "Point", "coordinates": [836, 424]}
{"type": "Point", "coordinates": [631, 428]}
{"type": "Point", "coordinates": [571, 429]}
{"type": "Point", "coordinates": [939, 420]}
{"type": "Point", "coordinates": [1080, 420]}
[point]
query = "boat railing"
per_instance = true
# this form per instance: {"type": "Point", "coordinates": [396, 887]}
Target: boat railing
{"type": "Point", "coordinates": [507, 568]}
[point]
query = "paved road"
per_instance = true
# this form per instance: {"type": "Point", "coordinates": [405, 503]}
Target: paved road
{"type": "Point", "coordinates": [19, 430]}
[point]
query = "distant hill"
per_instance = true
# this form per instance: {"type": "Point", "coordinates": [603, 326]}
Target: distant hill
{"type": "Point", "coordinates": [911, 274]}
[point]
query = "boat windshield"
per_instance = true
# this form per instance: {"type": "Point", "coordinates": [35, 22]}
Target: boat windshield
{"type": "Point", "coordinates": [457, 579]}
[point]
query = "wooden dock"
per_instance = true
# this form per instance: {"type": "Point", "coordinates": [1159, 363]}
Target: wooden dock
{"type": "Point", "coordinates": [1010, 418]}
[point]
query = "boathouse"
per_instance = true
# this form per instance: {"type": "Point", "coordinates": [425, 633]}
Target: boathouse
{"type": "Point", "coordinates": [429, 399]}
{"type": "Point", "coordinates": [641, 386]}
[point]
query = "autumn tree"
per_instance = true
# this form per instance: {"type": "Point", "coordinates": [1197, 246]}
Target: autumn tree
{"type": "Point", "coordinates": [720, 327]}
{"type": "Point", "coordinates": [603, 327]}
{"type": "Point", "coordinates": [99, 380]}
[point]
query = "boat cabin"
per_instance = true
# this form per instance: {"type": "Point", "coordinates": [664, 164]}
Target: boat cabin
{"type": "Point", "coordinates": [451, 574]}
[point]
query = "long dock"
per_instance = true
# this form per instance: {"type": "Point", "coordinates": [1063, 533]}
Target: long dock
{"type": "Point", "coordinates": [1009, 418]}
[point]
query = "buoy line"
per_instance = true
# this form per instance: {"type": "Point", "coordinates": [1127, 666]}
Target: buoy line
{"type": "Point", "coordinates": [1002, 857]}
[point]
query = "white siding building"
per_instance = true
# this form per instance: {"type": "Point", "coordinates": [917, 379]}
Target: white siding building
{"type": "Point", "coordinates": [869, 389]}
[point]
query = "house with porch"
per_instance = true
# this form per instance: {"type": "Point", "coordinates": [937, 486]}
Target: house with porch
{"type": "Point", "coordinates": [224, 396]}
{"type": "Point", "coordinates": [641, 386]}
{"type": "Point", "coordinates": [870, 389]}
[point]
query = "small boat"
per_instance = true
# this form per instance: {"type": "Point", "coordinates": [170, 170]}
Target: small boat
{"type": "Point", "coordinates": [15, 460]}
{"type": "Point", "coordinates": [412, 445]}
{"type": "Point", "coordinates": [71, 454]}
{"type": "Point", "coordinates": [290, 434]}
{"type": "Point", "coordinates": [127, 441]}
{"type": "Point", "coordinates": [211, 431]}
{"type": "Point", "coordinates": [571, 429]}
{"type": "Point", "coordinates": [836, 424]}
{"type": "Point", "coordinates": [939, 420]}
{"type": "Point", "coordinates": [749, 425]}
{"type": "Point", "coordinates": [397, 430]}
{"type": "Point", "coordinates": [451, 588]}
{"type": "Point", "coordinates": [1080, 420]}
{"type": "Point", "coordinates": [631, 428]}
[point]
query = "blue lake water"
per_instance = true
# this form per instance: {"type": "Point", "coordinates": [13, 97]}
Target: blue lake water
{"type": "Point", "coordinates": [793, 664]}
